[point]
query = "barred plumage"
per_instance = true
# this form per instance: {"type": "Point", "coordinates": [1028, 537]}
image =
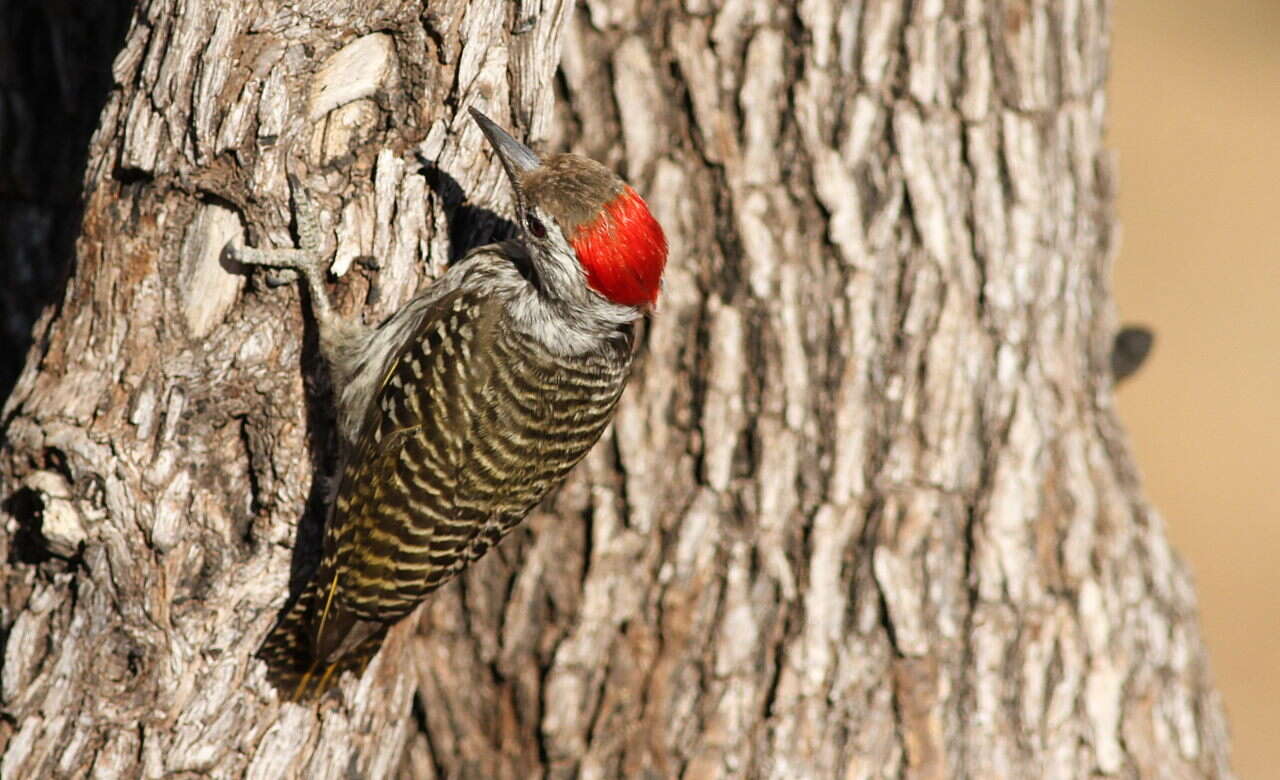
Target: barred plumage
{"type": "Point", "coordinates": [476, 422]}
{"type": "Point", "coordinates": [461, 411]}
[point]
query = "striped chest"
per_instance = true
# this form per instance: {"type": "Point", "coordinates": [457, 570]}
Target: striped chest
{"type": "Point", "coordinates": [535, 416]}
{"type": "Point", "coordinates": [474, 424]}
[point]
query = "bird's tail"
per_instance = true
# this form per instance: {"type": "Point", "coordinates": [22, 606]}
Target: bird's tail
{"type": "Point", "coordinates": [289, 652]}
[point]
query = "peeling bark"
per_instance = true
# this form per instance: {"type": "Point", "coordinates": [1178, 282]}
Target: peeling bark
{"type": "Point", "coordinates": [866, 508]}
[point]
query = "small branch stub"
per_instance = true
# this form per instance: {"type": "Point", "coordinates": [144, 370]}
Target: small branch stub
{"type": "Point", "coordinates": [61, 525]}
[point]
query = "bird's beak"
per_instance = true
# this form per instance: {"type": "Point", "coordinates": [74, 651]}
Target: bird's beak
{"type": "Point", "coordinates": [517, 158]}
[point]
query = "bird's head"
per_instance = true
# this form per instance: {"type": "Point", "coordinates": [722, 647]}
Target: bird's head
{"type": "Point", "coordinates": [582, 224]}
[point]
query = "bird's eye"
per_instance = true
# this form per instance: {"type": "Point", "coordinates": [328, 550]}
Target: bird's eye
{"type": "Point", "coordinates": [535, 225]}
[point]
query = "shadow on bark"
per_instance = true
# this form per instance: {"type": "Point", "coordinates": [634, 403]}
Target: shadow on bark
{"type": "Point", "coordinates": [469, 226]}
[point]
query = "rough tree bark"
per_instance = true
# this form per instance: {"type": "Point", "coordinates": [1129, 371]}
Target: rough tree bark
{"type": "Point", "coordinates": [866, 509]}
{"type": "Point", "coordinates": [161, 442]}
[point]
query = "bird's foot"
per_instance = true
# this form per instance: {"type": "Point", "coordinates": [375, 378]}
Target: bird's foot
{"type": "Point", "coordinates": [308, 259]}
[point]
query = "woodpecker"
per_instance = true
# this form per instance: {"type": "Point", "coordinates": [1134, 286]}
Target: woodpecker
{"type": "Point", "coordinates": [463, 409]}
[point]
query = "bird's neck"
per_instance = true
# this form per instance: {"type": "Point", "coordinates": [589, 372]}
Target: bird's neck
{"type": "Point", "coordinates": [566, 328]}
{"type": "Point", "coordinates": [548, 301]}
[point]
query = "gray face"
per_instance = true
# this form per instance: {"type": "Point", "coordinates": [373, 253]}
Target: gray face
{"type": "Point", "coordinates": [554, 198]}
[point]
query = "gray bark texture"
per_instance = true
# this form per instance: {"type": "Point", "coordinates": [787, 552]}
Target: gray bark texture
{"type": "Point", "coordinates": [866, 509]}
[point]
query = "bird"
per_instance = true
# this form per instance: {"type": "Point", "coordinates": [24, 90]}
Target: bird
{"type": "Point", "coordinates": [464, 408]}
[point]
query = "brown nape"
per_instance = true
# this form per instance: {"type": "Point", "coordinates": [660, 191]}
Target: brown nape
{"type": "Point", "coordinates": [571, 189]}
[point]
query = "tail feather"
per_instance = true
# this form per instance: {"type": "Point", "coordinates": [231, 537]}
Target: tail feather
{"type": "Point", "coordinates": [289, 652]}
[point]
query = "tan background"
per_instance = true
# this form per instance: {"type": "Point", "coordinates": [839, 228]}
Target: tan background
{"type": "Point", "coordinates": [1195, 119]}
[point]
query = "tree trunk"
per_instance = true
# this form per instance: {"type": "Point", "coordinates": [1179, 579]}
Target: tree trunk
{"type": "Point", "coordinates": [162, 442]}
{"type": "Point", "coordinates": [866, 508]}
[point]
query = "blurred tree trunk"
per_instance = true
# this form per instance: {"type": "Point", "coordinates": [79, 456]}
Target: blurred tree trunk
{"type": "Point", "coordinates": [866, 509]}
